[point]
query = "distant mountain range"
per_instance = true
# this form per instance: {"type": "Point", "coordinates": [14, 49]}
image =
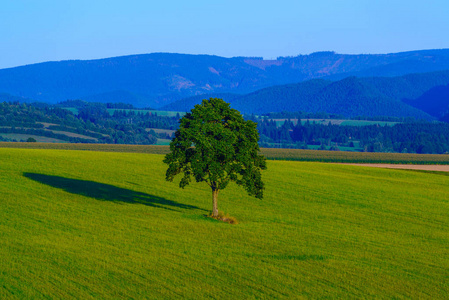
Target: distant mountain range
{"type": "Point", "coordinates": [320, 81]}
{"type": "Point", "coordinates": [159, 78]}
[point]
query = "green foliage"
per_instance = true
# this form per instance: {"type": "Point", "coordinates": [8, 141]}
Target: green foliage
{"type": "Point", "coordinates": [216, 145]}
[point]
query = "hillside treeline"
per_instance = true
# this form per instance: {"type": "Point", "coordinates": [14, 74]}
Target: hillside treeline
{"type": "Point", "coordinates": [414, 137]}
{"type": "Point", "coordinates": [93, 121]}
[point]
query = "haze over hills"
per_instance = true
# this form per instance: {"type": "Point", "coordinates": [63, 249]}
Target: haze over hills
{"type": "Point", "coordinates": [352, 96]}
{"type": "Point", "coordinates": [154, 80]}
{"type": "Point", "coordinates": [186, 104]}
{"type": "Point", "coordinates": [435, 101]}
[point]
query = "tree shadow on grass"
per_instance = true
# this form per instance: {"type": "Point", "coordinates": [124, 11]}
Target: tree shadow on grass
{"type": "Point", "coordinates": [106, 192]}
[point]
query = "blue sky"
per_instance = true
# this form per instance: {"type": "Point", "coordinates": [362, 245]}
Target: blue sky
{"type": "Point", "coordinates": [34, 31]}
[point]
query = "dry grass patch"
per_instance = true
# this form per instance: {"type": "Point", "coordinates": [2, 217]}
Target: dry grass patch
{"type": "Point", "coordinates": [224, 218]}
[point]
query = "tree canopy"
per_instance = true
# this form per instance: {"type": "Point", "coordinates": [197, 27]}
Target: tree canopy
{"type": "Point", "coordinates": [216, 145]}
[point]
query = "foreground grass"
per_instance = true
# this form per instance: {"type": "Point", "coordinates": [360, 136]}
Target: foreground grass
{"type": "Point", "coordinates": [83, 224]}
{"type": "Point", "coordinates": [270, 153]}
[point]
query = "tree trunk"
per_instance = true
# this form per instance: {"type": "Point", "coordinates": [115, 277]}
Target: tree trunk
{"type": "Point", "coordinates": [214, 202]}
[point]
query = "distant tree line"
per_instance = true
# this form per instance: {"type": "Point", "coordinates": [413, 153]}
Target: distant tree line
{"type": "Point", "coordinates": [417, 137]}
{"type": "Point", "coordinates": [324, 115]}
{"type": "Point", "coordinates": [127, 126]}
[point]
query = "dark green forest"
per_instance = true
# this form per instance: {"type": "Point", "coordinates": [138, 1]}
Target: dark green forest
{"type": "Point", "coordinates": [408, 137]}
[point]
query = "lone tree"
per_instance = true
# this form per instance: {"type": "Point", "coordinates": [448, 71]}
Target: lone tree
{"type": "Point", "coordinates": [216, 145]}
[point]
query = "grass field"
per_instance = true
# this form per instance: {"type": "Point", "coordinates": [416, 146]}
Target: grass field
{"type": "Point", "coordinates": [354, 157]}
{"type": "Point", "coordinates": [89, 224]}
{"type": "Point", "coordinates": [158, 130]}
{"type": "Point", "coordinates": [163, 142]}
{"type": "Point", "coordinates": [72, 134]}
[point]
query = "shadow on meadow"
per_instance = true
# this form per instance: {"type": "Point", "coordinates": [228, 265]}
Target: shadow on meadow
{"type": "Point", "coordinates": [106, 192]}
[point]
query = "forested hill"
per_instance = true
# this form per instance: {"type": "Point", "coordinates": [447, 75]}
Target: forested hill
{"type": "Point", "coordinates": [154, 80]}
{"type": "Point", "coordinates": [435, 101]}
{"type": "Point", "coordinates": [377, 96]}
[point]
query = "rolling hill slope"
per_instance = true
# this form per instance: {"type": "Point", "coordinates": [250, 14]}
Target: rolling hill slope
{"type": "Point", "coordinates": [82, 224]}
{"type": "Point", "coordinates": [352, 96]}
{"type": "Point", "coordinates": [435, 101]}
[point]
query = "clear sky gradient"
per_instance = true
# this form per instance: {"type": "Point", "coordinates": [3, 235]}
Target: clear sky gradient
{"type": "Point", "coordinates": [34, 31]}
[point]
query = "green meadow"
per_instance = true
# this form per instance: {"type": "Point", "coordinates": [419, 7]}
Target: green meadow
{"type": "Point", "coordinates": [92, 224]}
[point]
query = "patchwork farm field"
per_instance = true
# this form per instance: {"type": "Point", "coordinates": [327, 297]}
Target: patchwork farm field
{"type": "Point", "coordinates": [92, 224]}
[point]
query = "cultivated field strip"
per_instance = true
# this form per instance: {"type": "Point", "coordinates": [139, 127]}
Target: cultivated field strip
{"type": "Point", "coordinates": [354, 157]}
{"type": "Point", "coordinates": [434, 168]}
{"type": "Point", "coordinates": [151, 149]}
{"type": "Point", "coordinates": [270, 153]}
